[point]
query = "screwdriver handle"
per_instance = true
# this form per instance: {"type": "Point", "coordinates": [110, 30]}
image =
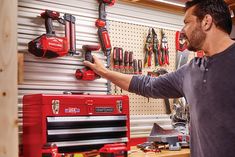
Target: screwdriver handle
{"type": "Point", "coordinates": [140, 66]}
{"type": "Point", "coordinates": [135, 66]}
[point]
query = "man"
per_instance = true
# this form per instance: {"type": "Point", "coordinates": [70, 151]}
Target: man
{"type": "Point", "coordinates": [208, 84]}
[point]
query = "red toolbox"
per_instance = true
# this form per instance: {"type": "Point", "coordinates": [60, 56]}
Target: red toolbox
{"type": "Point", "coordinates": [74, 123]}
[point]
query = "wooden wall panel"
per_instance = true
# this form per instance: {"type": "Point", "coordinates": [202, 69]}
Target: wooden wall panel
{"type": "Point", "coordinates": [8, 79]}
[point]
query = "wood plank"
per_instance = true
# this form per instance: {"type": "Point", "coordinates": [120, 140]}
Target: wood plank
{"type": "Point", "coordinates": [135, 152]}
{"type": "Point", "coordinates": [8, 79]}
{"type": "Point", "coordinates": [156, 5]}
{"type": "Point", "coordinates": [20, 68]}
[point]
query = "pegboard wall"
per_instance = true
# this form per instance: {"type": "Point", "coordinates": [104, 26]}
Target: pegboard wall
{"type": "Point", "coordinates": [132, 37]}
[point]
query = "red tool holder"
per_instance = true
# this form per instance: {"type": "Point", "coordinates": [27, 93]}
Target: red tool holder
{"type": "Point", "coordinates": [74, 123]}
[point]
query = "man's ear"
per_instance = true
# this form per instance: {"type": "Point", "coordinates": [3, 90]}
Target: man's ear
{"type": "Point", "coordinates": [207, 22]}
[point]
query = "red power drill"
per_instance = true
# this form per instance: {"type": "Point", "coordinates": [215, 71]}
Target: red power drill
{"type": "Point", "coordinates": [102, 31]}
{"type": "Point", "coordinates": [114, 150]}
{"type": "Point", "coordinates": [86, 73]}
{"type": "Point", "coordinates": [49, 45]}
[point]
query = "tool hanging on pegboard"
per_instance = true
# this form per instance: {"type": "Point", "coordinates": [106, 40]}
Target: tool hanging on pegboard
{"type": "Point", "coordinates": [181, 49]}
{"type": "Point", "coordinates": [126, 62]}
{"type": "Point", "coordinates": [135, 66]}
{"type": "Point", "coordinates": [102, 30]}
{"type": "Point", "coordinates": [140, 66]}
{"type": "Point", "coordinates": [180, 41]}
{"type": "Point", "coordinates": [115, 63]}
{"type": "Point", "coordinates": [163, 57]}
{"type": "Point", "coordinates": [51, 46]}
{"type": "Point", "coordinates": [131, 70]}
{"type": "Point", "coordinates": [148, 49]}
{"type": "Point", "coordinates": [155, 47]}
{"type": "Point", "coordinates": [86, 73]}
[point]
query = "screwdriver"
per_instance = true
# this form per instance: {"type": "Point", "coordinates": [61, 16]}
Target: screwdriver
{"type": "Point", "coordinates": [135, 66]}
{"type": "Point", "coordinates": [131, 62]}
{"type": "Point", "coordinates": [140, 66]}
{"type": "Point", "coordinates": [126, 61]}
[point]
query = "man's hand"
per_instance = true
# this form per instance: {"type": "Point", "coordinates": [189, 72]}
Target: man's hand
{"type": "Point", "coordinates": [98, 67]}
{"type": "Point", "coordinates": [121, 80]}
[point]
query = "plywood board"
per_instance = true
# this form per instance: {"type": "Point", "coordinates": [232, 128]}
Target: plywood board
{"type": "Point", "coordinates": [8, 79]}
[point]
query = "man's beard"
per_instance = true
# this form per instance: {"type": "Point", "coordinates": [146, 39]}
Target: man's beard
{"type": "Point", "coordinates": [196, 40]}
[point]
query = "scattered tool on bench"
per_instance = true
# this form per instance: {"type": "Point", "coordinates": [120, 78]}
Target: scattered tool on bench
{"type": "Point", "coordinates": [114, 150]}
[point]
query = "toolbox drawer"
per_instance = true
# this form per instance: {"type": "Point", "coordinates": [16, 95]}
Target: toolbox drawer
{"type": "Point", "coordinates": [74, 123]}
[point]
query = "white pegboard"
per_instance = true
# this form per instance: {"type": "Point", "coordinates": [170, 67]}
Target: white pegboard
{"type": "Point", "coordinates": [132, 37]}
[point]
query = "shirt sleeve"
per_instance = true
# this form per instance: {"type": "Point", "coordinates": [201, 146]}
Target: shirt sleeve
{"type": "Point", "coordinates": [165, 86]}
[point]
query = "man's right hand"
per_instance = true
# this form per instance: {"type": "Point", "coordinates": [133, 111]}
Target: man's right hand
{"type": "Point", "coordinates": [121, 80]}
{"type": "Point", "coordinates": [98, 67]}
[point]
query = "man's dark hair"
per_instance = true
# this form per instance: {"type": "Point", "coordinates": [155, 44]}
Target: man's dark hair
{"type": "Point", "coordinates": [218, 9]}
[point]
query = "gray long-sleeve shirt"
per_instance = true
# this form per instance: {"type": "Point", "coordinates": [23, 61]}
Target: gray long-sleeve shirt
{"type": "Point", "coordinates": [208, 84]}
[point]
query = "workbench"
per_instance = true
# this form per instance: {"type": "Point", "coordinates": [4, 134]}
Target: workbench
{"type": "Point", "coordinates": [185, 152]}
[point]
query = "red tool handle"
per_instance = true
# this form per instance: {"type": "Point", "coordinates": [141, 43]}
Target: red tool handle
{"type": "Point", "coordinates": [105, 41]}
{"type": "Point", "coordinates": [149, 59]}
{"type": "Point", "coordinates": [167, 57]}
{"type": "Point", "coordinates": [160, 61]}
{"type": "Point", "coordinates": [116, 57]}
{"type": "Point", "coordinates": [121, 60]}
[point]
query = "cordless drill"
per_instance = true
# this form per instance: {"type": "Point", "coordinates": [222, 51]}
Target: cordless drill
{"type": "Point", "coordinates": [49, 45]}
{"type": "Point", "coordinates": [86, 73]}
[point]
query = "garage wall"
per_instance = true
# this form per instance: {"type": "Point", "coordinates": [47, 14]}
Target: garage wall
{"type": "Point", "coordinates": [57, 75]}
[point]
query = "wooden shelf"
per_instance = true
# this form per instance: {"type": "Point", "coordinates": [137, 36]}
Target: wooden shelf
{"type": "Point", "coordinates": [156, 5]}
{"type": "Point", "coordinates": [168, 7]}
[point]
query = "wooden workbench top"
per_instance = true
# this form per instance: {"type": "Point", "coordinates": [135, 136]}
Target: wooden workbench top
{"type": "Point", "coordinates": [164, 153]}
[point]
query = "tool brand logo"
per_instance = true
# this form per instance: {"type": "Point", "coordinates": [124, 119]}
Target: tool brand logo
{"type": "Point", "coordinates": [55, 106]}
{"type": "Point", "coordinates": [104, 109]}
{"type": "Point", "coordinates": [72, 110]}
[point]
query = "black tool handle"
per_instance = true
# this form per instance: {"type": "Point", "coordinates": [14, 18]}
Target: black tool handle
{"type": "Point", "coordinates": [135, 66]}
{"type": "Point", "coordinates": [88, 49]}
{"type": "Point", "coordinates": [126, 58]}
{"type": "Point", "coordinates": [130, 59]}
{"type": "Point", "coordinates": [102, 12]}
{"type": "Point", "coordinates": [140, 66]}
{"type": "Point", "coordinates": [49, 15]}
{"type": "Point", "coordinates": [49, 25]}
{"type": "Point", "coordinates": [70, 32]}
